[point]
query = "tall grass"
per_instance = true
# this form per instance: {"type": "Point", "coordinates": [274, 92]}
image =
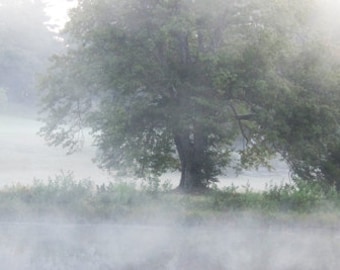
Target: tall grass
{"type": "Point", "coordinates": [63, 197]}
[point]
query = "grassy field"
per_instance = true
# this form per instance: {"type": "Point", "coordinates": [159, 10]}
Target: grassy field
{"type": "Point", "coordinates": [86, 220]}
{"type": "Point", "coordinates": [65, 198]}
{"type": "Point", "coordinates": [66, 224]}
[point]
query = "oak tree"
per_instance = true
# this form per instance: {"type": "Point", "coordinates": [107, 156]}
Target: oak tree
{"type": "Point", "coordinates": [172, 84]}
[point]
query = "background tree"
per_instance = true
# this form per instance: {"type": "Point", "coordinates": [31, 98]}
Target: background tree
{"type": "Point", "coordinates": [171, 84]}
{"type": "Point", "coordinates": [304, 128]}
{"type": "Point", "coordinates": [25, 45]}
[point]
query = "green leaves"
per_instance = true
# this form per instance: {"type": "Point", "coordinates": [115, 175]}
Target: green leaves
{"type": "Point", "coordinates": [172, 84]}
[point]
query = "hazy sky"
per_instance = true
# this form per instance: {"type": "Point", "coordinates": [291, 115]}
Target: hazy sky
{"type": "Point", "coordinates": [328, 11]}
{"type": "Point", "coordinates": [57, 10]}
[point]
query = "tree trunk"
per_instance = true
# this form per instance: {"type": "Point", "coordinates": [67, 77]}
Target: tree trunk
{"type": "Point", "coordinates": [190, 179]}
{"type": "Point", "coordinates": [191, 165]}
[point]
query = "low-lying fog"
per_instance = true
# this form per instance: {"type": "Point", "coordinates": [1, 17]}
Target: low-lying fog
{"type": "Point", "coordinates": [240, 243]}
{"type": "Point", "coordinates": [25, 157]}
{"type": "Point", "coordinates": [244, 245]}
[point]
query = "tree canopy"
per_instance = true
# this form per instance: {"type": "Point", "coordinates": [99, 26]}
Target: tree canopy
{"type": "Point", "coordinates": [172, 84]}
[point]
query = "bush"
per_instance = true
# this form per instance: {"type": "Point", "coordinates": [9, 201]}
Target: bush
{"type": "Point", "coordinates": [301, 197]}
{"type": "Point", "coordinates": [65, 197]}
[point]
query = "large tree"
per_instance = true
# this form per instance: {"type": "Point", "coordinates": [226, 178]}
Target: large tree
{"type": "Point", "coordinates": [171, 84]}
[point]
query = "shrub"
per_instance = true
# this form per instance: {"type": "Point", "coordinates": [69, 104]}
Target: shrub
{"type": "Point", "coordinates": [63, 196]}
{"type": "Point", "coordinates": [301, 196]}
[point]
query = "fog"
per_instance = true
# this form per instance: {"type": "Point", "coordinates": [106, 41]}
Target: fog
{"type": "Point", "coordinates": [57, 10]}
{"type": "Point", "coordinates": [241, 242]}
{"type": "Point", "coordinates": [26, 157]}
{"type": "Point", "coordinates": [244, 244]}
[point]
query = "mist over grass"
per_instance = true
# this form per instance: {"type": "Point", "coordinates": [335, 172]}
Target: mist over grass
{"type": "Point", "coordinates": [246, 246]}
{"type": "Point", "coordinates": [68, 223]}
{"type": "Point", "coordinates": [157, 203]}
{"type": "Point", "coordinates": [64, 223]}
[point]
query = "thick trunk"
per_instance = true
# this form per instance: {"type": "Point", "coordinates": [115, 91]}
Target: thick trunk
{"type": "Point", "coordinates": [191, 164]}
{"type": "Point", "coordinates": [190, 179]}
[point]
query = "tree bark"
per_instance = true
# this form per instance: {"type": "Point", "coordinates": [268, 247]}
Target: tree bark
{"type": "Point", "coordinates": [191, 164]}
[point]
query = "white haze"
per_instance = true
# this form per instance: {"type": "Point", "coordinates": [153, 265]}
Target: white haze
{"type": "Point", "coordinates": [25, 157]}
{"type": "Point", "coordinates": [57, 10]}
{"type": "Point", "coordinates": [242, 243]}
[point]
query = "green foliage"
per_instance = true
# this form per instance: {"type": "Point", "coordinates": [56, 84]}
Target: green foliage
{"type": "Point", "coordinates": [170, 85]}
{"type": "Point", "coordinates": [63, 198]}
{"type": "Point", "coordinates": [230, 198]}
{"type": "Point", "coordinates": [121, 193]}
{"type": "Point", "coordinates": [153, 185]}
{"type": "Point", "coordinates": [302, 197]}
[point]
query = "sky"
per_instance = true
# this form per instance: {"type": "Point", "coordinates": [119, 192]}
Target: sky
{"type": "Point", "coordinates": [58, 9]}
{"type": "Point", "coordinates": [328, 10]}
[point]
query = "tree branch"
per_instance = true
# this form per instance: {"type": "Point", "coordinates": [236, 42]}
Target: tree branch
{"type": "Point", "coordinates": [239, 119]}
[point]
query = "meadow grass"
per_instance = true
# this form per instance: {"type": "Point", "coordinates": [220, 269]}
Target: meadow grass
{"type": "Point", "coordinates": [64, 198]}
